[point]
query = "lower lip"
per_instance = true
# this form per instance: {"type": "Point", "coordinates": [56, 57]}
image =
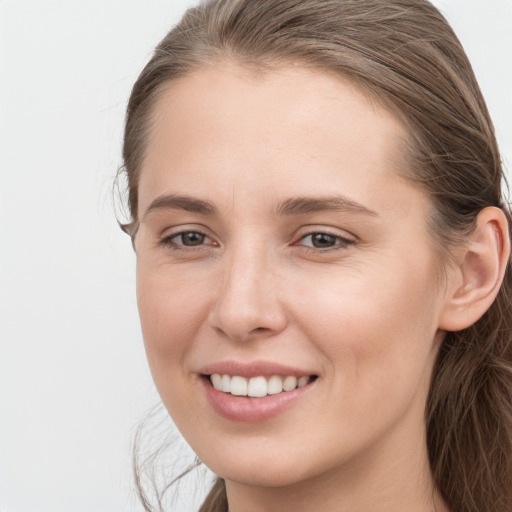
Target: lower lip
{"type": "Point", "coordinates": [248, 409]}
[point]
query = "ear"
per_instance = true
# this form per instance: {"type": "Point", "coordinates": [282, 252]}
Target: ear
{"type": "Point", "coordinates": [476, 278]}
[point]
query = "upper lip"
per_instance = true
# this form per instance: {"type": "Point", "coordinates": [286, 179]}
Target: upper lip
{"type": "Point", "coordinates": [252, 369]}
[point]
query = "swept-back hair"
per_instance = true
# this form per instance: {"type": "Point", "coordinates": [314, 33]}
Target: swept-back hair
{"type": "Point", "coordinates": [403, 54]}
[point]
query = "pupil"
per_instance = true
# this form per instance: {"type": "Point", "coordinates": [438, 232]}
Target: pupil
{"type": "Point", "coordinates": [321, 240]}
{"type": "Point", "coordinates": [192, 239]}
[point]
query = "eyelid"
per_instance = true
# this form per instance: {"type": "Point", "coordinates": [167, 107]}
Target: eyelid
{"type": "Point", "coordinates": [176, 229]}
{"type": "Point", "coordinates": [305, 231]}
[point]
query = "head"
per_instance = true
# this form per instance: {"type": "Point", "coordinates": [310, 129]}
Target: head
{"type": "Point", "coordinates": [429, 165]}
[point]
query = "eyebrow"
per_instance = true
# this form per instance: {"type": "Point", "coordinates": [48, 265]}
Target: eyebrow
{"type": "Point", "coordinates": [290, 207]}
{"type": "Point", "coordinates": [305, 205]}
{"type": "Point", "coordinates": [177, 202]}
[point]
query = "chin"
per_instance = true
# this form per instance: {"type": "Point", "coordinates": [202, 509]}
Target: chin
{"type": "Point", "coordinates": [265, 462]}
{"type": "Point", "coordinates": [264, 474]}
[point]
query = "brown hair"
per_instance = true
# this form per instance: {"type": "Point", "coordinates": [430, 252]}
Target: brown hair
{"type": "Point", "coordinates": [404, 54]}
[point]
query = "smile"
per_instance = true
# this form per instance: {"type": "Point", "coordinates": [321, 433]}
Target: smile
{"type": "Point", "coordinates": [258, 387]}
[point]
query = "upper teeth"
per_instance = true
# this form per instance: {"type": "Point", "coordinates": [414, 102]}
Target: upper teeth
{"type": "Point", "coordinates": [257, 386]}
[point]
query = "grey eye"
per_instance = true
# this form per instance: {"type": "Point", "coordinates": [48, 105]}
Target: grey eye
{"type": "Point", "coordinates": [323, 240]}
{"type": "Point", "coordinates": [191, 238]}
{"type": "Point", "coordinates": [320, 240]}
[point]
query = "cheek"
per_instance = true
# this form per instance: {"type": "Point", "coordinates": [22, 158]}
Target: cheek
{"type": "Point", "coordinates": [378, 348]}
{"type": "Point", "coordinates": [172, 310]}
{"type": "Point", "coordinates": [375, 325]}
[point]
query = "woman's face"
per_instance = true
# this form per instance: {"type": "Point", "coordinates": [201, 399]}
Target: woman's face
{"type": "Point", "coordinates": [278, 242]}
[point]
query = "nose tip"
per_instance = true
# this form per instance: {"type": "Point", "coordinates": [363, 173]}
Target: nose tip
{"type": "Point", "coordinates": [247, 305]}
{"type": "Point", "coordinates": [239, 325]}
{"type": "Point", "coordinates": [238, 334]}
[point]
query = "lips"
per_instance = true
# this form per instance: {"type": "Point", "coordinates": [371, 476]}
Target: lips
{"type": "Point", "coordinates": [254, 392]}
{"type": "Point", "coordinates": [253, 369]}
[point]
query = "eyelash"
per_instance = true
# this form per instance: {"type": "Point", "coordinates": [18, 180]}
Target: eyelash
{"type": "Point", "coordinates": [340, 241]}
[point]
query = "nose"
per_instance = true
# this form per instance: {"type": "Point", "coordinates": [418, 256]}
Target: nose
{"type": "Point", "coordinates": [247, 303]}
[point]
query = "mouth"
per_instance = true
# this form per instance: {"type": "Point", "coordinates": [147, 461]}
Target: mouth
{"type": "Point", "coordinates": [255, 391]}
{"type": "Point", "coordinates": [258, 386]}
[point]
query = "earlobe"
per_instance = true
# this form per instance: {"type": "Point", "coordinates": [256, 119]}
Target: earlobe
{"type": "Point", "coordinates": [477, 278]}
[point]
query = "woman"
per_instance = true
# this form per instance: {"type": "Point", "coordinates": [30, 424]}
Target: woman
{"type": "Point", "coordinates": [323, 257]}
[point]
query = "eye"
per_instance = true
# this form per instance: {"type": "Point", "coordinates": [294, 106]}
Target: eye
{"type": "Point", "coordinates": [322, 240]}
{"type": "Point", "coordinates": [186, 239]}
{"type": "Point", "coordinates": [190, 238]}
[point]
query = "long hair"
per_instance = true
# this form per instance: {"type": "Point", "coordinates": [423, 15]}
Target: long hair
{"type": "Point", "coordinates": [403, 54]}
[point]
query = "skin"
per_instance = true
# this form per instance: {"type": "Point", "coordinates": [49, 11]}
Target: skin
{"type": "Point", "coordinates": [363, 315]}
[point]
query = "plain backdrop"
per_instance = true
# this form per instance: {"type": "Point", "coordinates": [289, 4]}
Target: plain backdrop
{"type": "Point", "coordinates": [74, 381]}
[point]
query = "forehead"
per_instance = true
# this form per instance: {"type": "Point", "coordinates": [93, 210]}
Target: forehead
{"type": "Point", "coordinates": [290, 130]}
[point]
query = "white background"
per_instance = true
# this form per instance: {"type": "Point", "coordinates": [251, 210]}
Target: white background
{"type": "Point", "coordinates": [73, 376]}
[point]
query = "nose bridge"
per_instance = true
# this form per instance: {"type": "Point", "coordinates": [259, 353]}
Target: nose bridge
{"type": "Point", "coordinates": [247, 303]}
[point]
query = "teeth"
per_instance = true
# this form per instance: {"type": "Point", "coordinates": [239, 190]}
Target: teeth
{"type": "Point", "coordinates": [226, 384]}
{"type": "Point", "coordinates": [290, 383]}
{"type": "Point", "coordinates": [302, 381]}
{"type": "Point", "coordinates": [257, 387]}
{"type": "Point", "coordinates": [238, 386]}
{"type": "Point", "coordinates": [216, 381]}
{"type": "Point", "coordinates": [274, 385]}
